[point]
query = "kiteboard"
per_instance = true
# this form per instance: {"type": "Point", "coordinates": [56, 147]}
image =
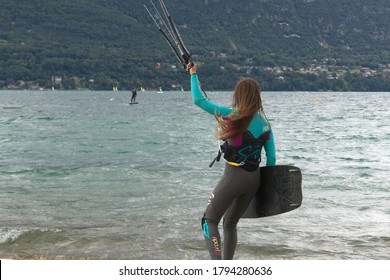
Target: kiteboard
{"type": "Point", "coordinates": [132, 103]}
{"type": "Point", "coordinates": [280, 191]}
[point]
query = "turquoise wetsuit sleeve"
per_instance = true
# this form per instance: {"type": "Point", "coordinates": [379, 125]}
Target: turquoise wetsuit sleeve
{"type": "Point", "coordinates": [202, 102]}
{"type": "Point", "coordinates": [270, 151]}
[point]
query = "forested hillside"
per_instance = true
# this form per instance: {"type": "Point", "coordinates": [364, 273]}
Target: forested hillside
{"type": "Point", "coordinates": [285, 44]}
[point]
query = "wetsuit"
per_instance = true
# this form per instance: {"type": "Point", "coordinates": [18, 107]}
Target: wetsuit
{"type": "Point", "coordinates": [239, 183]}
{"type": "Point", "coordinates": [134, 95]}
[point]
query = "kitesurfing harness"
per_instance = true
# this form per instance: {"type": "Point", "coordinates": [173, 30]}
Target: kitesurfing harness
{"type": "Point", "coordinates": [247, 155]}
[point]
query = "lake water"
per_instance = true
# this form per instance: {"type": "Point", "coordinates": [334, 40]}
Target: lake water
{"type": "Point", "coordinates": [85, 175]}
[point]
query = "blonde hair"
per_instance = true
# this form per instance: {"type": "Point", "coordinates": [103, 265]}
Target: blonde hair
{"type": "Point", "coordinates": [246, 103]}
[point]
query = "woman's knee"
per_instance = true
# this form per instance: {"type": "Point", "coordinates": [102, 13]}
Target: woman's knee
{"type": "Point", "coordinates": [229, 224]}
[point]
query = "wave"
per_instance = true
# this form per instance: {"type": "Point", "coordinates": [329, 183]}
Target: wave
{"type": "Point", "coordinates": [10, 235]}
{"type": "Point", "coordinates": [40, 171]}
{"type": "Point", "coordinates": [11, 107]}
{"type": "Point", "coordinates": [45, 118]}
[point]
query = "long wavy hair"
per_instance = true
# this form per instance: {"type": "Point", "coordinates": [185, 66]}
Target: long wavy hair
{"type": "Point", "coordinates": [246, 103]}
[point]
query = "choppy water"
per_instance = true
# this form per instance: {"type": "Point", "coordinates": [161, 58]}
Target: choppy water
{"type": "Point", "coordinates": [85, 175]}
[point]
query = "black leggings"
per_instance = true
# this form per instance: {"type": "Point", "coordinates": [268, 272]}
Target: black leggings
{"type": "Point", "coordinates": [230, 199]}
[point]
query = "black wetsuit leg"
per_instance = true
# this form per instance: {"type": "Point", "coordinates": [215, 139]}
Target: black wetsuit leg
{"type": "Point", "coordinates": [230, 221]}
{"type": "Point", "coordinates": [231, 198]}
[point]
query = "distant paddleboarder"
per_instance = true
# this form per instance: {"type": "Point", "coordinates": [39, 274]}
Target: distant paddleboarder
{"type": "Point", "coordinates": [245, 130]}
{"type": "Point", "coordinates": [134, 95]}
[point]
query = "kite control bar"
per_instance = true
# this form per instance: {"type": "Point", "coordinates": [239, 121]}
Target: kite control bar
{"type": "Point", "coordinates": [174, 39]}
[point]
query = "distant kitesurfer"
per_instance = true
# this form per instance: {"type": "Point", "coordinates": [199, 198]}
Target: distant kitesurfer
{"type": "Point", "coordinates": [134, 95]}
{"type": "Point", "coordinates": [245, 130]}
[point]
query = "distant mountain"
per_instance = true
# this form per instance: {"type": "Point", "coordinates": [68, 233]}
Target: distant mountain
{"type": "Point", "coordinates": [285, 44]}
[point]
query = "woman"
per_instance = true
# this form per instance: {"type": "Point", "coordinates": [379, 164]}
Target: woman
{"type": "Point", "coordinates": [245, 130]}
